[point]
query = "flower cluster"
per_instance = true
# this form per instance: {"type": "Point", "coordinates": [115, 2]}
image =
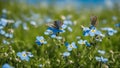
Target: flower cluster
{"type": "Point", "coordinates": [84, 42]}
{"type": "Point", "coordinates": [4, 23]}
{"type": "Point", "coordinates": [66, 25]}
{"type": "Point", "coordinates": [91, 31]}
{"type": "Point", "coordinates": [110, 31]}
{"type": "Point", "coordinates": [101, 58]}
{"type": "Point", "coordinates": [54, 30]}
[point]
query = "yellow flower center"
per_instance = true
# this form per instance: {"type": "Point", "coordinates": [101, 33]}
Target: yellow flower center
{"type": "Point", "coordinates": [83, 42]}
{"type": "Point", "coordinates": [92, 30]}
{"type": "Point", "coordinates": [51, 32]}
{"type": "Point", "coordinates": [71, 46]}
{"type": "Point", "coordinates": [24, 55]}
{"type": "Point", "coordinates": [42, 41]}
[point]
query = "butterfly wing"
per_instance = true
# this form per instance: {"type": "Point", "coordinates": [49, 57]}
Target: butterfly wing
{"type": "Point", "coordinates": [93, 20]}
{"type": "Point", "coordinates": [57, 24]}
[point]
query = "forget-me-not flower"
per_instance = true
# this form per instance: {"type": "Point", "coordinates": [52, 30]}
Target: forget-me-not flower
{"type": "Point", "coordinates": [70, 46]}
{"type": "Point", "coordinates": [3, 23]}
{"type": "Point", "coordinates": [101, 59]}
{"type": "Point", "coordinates": [84, 42]}
{"type": "Point", "coordinates": [40, 40]}
{"type": "Point", "coordinates": [110, 31]}
{"type": "Point", "coordinates": [6, 65]}
{"type": "Point", "coordinates": [24, 55]}
{"type": "Point", "coordinates": [101, 52]}
{"type": "Point", "coordinates": [65, 54]}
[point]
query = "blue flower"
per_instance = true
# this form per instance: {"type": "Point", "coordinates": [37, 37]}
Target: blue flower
{"type": "Point", "coordinates": [2, 32]}
{"type": "Point", "coordinates": [5, 42]}
{"type": "Point", "coordinates": [81, 41]}
{"type": "Point", "coordinates": [48, 20]}
{"type": "Point", "coordinates": [66, 25]}
{"type": "Point", "coordinates": [3, 23]}
{"type": "Point", "coordinates": [94, 31]}
{"type": "Point", "coordinates": [4, 11]}
{"type": "Point", "coordinates": [69, 29]}
{"type": "Point", "coordinates": [54, 29]}
{"type": "Point", "coordinates": [87, 44]}
{"type": "Point", "coordinates": [17, 24]}
{"type": "Point", "coordinates": [52, 32]}
{"type": "Point", "coordinates": [67, 22]}
{"type": "Point", "coordinates": [40, 40]}
{"type": "Point", "coordinates": [86, 31]}
{"type": "Point", "coordinates": [66, 44]}
{"type": "Point", "coordinates": [114, 18]}
{"type": "Point", "coordinates": [7, 66]}
{"type": "Point", "coordinates": [33, 23]}
{"type": "Point", "coordinates": [53, 36]}
{"type": "Point", "coordinates": [101, 52]}
{"type": "Point", "coordinates": [9, 35]}
{"type": "Point", "coordinates": [84, 42]}
{"type": "Point", "coordinates": [48, 32]}
{"type": "Point", "coordinates": [101, 59]}
{"type": "Point", "coordinates": [65, 54]}
{"type": "Point", "coordinates": [117, 25]}
{"type": "Point", "coordinates": [91, 31]}
{"type": "Point", "coordinates": [110, 31]}
{"type": "Point", "coordinates": [71, 46]}
{"type": "Point", "coordinates": [24, 55]}
{"type": "Point", "coordinates": [25, 27]}
{"type": "Point", "coordinates": [29, 54]}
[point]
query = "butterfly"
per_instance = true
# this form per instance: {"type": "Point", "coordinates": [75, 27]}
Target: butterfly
{"type": "Point", "coordinates": [57, 24]}
{"type": "Point", "coordinates": [93, 20]}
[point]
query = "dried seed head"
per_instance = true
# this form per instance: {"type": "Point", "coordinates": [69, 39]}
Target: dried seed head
{"type": "Point", "coordinates": [11, 30]}
{"type": "Point", "coordinates": [82, 26]}
{"type": "Point", "coordinates": [111, 51]}
{"type": "Point", "coordinates": [5, 54]}
{"type": "Point", "coordinates": [63, 17]}
{"type": "Point", "coordinates": [70, 61]}
{"type": "Point", "coordinates": [58, 60]}
{"type": "Point", "coordinates": [93, 20]}
{"type": "Point", "coordinates": [10, 58]}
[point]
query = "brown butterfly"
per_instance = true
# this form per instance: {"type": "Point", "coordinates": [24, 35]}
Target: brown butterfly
{"type": "Point", "coordinates": [57, 24]}
{"type": "Point", "coordinates": [93, 20]}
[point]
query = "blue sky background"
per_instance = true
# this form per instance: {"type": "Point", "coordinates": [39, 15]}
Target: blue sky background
{"type": "Point", "coordinates": [77, 3]}
{"type": "Point", "coordinates": [74, 1]}
{"type": "Point", "coordinates": [69, 3]}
